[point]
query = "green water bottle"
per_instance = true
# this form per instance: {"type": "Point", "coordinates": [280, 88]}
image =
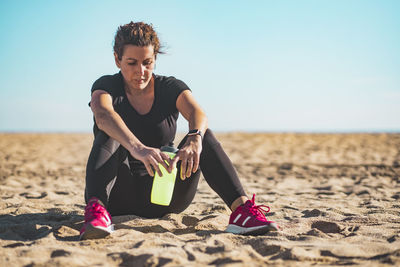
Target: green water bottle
{"type": "Point", "coordinates": [163, 187]}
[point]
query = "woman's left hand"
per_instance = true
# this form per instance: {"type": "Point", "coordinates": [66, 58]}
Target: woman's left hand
{"type": "Point", "coordinates": [189, 155]}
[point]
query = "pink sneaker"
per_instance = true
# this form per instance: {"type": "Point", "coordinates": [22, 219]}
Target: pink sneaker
{"type": "Point", "coordinates": [250, 219]}
{"type": "Point", "coordinates": [97, 221]}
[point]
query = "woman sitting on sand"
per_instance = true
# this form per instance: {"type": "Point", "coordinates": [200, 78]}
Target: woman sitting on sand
{"type": "Point", "coordinates": [135, 114]}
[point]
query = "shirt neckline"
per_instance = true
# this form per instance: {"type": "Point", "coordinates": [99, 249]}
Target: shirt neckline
{"type": "Point", "coordinates": [154, 100]}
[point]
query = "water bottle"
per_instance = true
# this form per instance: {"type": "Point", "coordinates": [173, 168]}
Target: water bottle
{"type": "Point", "coordinates": [163, 187]}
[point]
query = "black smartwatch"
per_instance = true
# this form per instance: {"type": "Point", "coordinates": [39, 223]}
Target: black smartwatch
{"type": "Point", "coordinates": [195, 132]}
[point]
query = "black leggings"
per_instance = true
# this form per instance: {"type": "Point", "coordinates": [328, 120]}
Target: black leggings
{"type": "Point", "coordinates": [125, 189]}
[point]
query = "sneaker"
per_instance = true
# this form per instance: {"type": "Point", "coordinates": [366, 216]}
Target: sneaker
{"type": "Point", "coordinates": [97, 221]}
{"type": "Point", "coordinates": [250, 219]}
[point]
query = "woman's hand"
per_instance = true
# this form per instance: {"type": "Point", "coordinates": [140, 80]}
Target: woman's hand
{"type": "Point", "coordinates": [189, 155]}
{"type": "Point", "coordinates": [151, 157]}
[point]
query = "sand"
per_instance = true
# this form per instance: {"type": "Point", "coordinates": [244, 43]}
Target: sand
{"type": "Point", "coordinates": [335, 196]}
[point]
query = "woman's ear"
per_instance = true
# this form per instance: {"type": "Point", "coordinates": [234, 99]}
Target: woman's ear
{"type": "Point", "coordinates": [117, 61]}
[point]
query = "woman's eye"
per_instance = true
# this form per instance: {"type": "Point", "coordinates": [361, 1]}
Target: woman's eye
{"type": "Point", "coordinates": [132, 63]}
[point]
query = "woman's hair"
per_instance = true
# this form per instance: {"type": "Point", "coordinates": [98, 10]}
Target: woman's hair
{"type": "Point", "coordinates": [136, 33]}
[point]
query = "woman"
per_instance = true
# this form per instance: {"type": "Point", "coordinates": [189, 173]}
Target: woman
{"type": "Point", "coordinates": [135, 113]}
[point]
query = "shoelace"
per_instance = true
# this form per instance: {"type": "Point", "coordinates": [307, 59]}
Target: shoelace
{"type": "Point", "coordinates": [94, 209]}
{"type": "Point", "coordinates": [258, 209]}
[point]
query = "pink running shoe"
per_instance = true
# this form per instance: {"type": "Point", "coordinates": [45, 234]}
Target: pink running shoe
{"type": "Point", "coordinates": [97, 221]}
{"type": "Point", "coordinates": [250, 219]}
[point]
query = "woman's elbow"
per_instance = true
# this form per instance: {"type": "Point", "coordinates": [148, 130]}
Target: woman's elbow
{"type": "Point", "coordinates": [101, 116]}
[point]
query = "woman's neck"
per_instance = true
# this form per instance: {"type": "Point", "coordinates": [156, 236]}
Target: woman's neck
{"type": "Point", "coordinates": [140, 92]}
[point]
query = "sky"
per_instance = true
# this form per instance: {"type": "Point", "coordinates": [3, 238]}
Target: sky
{"type": "Point", "coordinates": [306, 66]}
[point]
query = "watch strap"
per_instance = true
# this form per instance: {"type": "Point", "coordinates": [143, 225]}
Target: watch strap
{"type": "Point", "coordinates": [195, 132]}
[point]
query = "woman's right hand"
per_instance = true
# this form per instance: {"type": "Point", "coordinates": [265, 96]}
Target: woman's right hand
{"type": "Point", "coordinates": [151, 157]}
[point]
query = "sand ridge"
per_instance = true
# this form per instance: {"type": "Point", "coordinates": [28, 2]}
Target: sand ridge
{"type": "Point", "coordinates": [335, 196]}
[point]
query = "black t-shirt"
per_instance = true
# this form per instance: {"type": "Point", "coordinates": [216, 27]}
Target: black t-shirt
{"type": "Point", "coordinates": [156, 128]}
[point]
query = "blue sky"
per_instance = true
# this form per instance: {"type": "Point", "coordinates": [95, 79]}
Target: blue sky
{"type": "Point", "coordinates": [252, 65]}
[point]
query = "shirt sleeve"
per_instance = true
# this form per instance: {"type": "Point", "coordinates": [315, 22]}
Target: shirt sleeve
{"type": "Point", "coordinates": [112, 84]}
{"type": "Point", "coordinates": [174, 87]}
{"type": "Point", "coordinates": [109, 83]}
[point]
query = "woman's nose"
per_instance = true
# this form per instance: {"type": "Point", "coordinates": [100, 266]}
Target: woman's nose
{"type": "Point", "coordinates": [140, 69]}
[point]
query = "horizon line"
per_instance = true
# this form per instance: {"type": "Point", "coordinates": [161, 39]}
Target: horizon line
{"type": "Point", "coordinates": [311, 131]}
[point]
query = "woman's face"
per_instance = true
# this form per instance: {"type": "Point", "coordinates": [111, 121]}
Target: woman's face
{"type": "Point", "coordinates": [136, 64]}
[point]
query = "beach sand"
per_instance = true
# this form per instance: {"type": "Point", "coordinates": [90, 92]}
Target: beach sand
{"type": "Point", "coordinates": [335, 196]}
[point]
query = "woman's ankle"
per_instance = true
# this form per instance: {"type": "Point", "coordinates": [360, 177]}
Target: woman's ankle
{"type": "Point", "coordinates": [237, 202]}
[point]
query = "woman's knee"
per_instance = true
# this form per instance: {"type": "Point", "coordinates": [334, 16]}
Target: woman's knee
{"type": "Point", "coordinates": [105, 149]}
{"type": "Point", "coordinates": [209, 140]}
{"type": "Point", "coordinates": [102, 140]}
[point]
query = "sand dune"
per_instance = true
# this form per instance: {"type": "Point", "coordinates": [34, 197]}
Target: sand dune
{"type": "Point", "coordinates": [335, 196]}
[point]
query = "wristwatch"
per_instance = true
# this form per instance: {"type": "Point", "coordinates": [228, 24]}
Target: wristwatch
{"type": "Point", "coordinates": [195, 132]}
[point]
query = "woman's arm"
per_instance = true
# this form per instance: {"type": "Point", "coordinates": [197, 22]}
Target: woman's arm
{"type": "Point", "coordinates": [189, 154]}
{"type": "Point", "coordinates": [191, 111]}
{"type": "Point", "coordinates": [112, 124]}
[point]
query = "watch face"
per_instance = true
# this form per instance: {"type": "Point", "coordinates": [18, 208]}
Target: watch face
{"type": "Point", "coordinates": [194, 131]}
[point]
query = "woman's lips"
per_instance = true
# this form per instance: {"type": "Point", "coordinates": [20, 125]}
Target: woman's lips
{"type": "Point", "coordinates": [140, 80]}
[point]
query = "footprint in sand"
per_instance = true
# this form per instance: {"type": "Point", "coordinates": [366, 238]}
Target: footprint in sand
{"type": "Point", "coordinates": [262, 247]}
{"type": "Point", "coordinates": [326, 227]}
{"type": "Point", "coordinates": [316, 232]}
{"type": "Point", "coordinates": [151, 229]}
{"type": "Point", "coordinates": [363, 192]}
{"type": "Point", "coordinates": [14, 245]}
{"type": "Point", "coordinates": [60, 253]}
{"type": "Point", "coordinates": [61, 193]}
{"type": "Point", "coordinates": [34, 195]}
{"type": "Point", "coordinates": [126, 259]}
{"type": "Point", "coordinates": [213, 250]}
{"type": "Point", "coordinates": [394, 238]}
{"type": "Point", "coordinates": [66, 233]}
{"type": "Point", "coordinates": [312, 213]}
{"type": "Point", "coordinates": [223, 261]}
{"type": "Point", "coordinates": [353, 229]}
{"type": "Point", "coordinates": [287, 166]}
{"type": "Point", "coordinates": [189, 220]}
{"type": "Point", "coordinates": [190, 254]}
{"type": "Point", "coordinates": [298, 254]}
{"type": "Point", "coordinates": [31, 231]}
{"type": "Point", "coordinates": [396, 196]}
{"type": "Point", "coordinates": [350, 231]}
{"type": "Point", "coordinates": [7, 196]}
{"type": "Point", "coordinates": [138, 244]}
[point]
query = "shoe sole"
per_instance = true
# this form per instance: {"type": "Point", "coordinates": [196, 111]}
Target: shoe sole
{"type": "Point", "coordinates": [257, 230]}
{"type": "Point", "coordinates": [96, 232]}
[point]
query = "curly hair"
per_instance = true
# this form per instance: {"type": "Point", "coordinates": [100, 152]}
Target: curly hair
{"type": "Point", "coordinates": [136, 33]}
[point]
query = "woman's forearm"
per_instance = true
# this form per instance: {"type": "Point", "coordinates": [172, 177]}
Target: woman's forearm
{"type": "Point", "coordinates": [198, 120]}
{"type": "Point", "coordinates": [112, 124]}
